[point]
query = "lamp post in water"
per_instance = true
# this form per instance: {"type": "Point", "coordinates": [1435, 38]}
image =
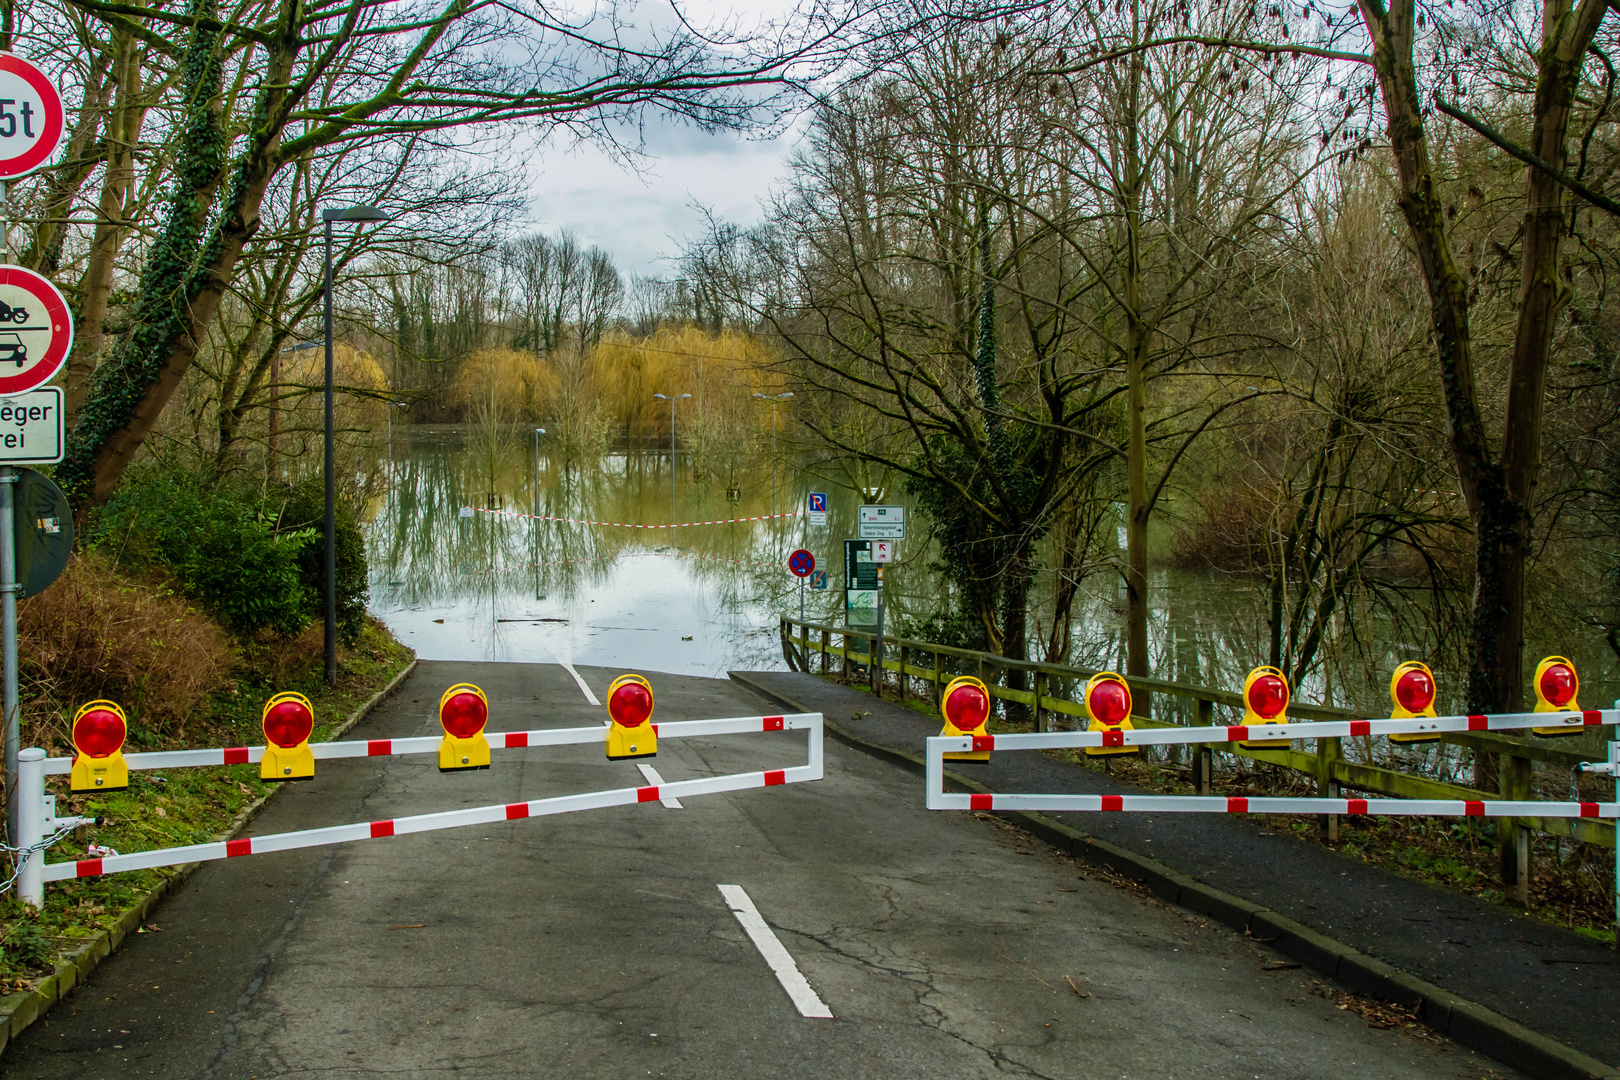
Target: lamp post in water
{"type": "Point", "coordinates": [773, 399]}
{"type": "Point", "coordinates": [672, 401]}
{"type": "Point", "coordinates": [357, 214]}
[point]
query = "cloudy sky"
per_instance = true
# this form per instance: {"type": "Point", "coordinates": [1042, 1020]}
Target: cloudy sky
{"type": "Point", "coordinates": [641, 219]}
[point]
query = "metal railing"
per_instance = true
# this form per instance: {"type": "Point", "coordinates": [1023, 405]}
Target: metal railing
{"type": "Point", "coordinates": [846, 652]}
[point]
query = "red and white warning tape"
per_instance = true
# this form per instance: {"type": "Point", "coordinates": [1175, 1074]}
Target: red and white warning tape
{"type": "Point", "coordinates": [631, 525]}
{"type": "Point", "coordinates": [637, 555]}
{"type": "Point", "coordinates": [429, 744]}
{"type": "Point", "coordinates": [478, 815]}
{"type": "Point", "coordinates": [939, 746]}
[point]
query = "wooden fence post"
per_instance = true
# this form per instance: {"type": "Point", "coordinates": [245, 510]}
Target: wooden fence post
{"type": "Point", "coordinates": [1203, 756]}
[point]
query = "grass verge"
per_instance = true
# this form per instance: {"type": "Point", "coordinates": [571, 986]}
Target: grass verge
{"type": "Point", "coordinates": [176, 807]}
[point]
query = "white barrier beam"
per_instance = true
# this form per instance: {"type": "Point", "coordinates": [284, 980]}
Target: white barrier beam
{"type": "Point", "coordinates": [478, 815]}
{"type": "Point", "coordinates": [429, 744]}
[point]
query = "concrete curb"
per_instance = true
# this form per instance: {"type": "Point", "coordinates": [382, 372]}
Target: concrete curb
{"type": "Point", "coordinates": [21, 1009]}
{"type": "Point", "coordinates": [1464, 1021]}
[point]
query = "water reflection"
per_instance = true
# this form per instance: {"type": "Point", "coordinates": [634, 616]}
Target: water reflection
{"type": "Point", "coordinates": [501, 585]}
{"type": "Point", "coordinates": [704, 599]}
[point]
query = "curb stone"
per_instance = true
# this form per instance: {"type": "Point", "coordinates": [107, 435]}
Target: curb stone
{"type": "Point", "coordinates": [21, 1009]}
{"type": "Point", "coordinates": [1461, 1020]}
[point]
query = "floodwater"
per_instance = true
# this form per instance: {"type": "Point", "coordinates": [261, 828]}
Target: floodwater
{"type": "Point", "coordinates": [462, 570]}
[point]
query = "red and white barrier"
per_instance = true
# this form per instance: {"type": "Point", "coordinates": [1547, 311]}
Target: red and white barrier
{"type": "Point", "coordinates": [31, 786]}
{"type": "Point", "coordinates": [429, 744]}
{"type": "Point", "coordinates": [1319, 729]}
{"type": "Point", "coordinates": [939, 746]}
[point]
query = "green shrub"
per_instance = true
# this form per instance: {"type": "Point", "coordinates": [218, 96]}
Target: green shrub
{"type": "Point", "coordinates": [303, 508]}
{"type": "Point", "coordinates": [252, 561]}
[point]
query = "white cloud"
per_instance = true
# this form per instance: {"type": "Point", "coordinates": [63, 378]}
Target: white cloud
{"type": "Point", "coordinates": [642, 217]}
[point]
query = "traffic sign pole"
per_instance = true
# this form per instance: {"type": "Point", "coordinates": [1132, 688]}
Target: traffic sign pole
{"type": "Point", "coordinates": [8, 640]}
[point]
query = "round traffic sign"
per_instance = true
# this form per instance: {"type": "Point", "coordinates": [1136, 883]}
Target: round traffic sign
{"type": "Point", "coordinates": [36, 331]}
{"type": "Point", "coordinates": [801, 562]}
{"type": "Point", "coordinates": [31, 118]}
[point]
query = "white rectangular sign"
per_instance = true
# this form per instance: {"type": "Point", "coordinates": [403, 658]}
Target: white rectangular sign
{"type": "Point", "coordinates": [882, 551]}
{"type": "Point", "coordinates": [815, 510]}
{"type": "Point", "coordinates": [882, 523]}
{"type": "Point", "coordinates": [31, 427]}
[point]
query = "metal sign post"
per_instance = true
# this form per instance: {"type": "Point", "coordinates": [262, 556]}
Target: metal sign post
{"type": "Point", "coordinates": [45, 538]}
{"type": "Point", "coordinates": [8, 641]}
{"type": "Point", "coordinates": [877, 646]}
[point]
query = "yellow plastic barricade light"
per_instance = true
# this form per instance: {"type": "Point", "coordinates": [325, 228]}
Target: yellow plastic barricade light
{"type": "Point", "coordinates": [99, 728]}
{"type": "Point", "coordinates": [1556, 687]}
{"type": "Point", "coordinates": [965, 704]}
{"type": "Point", "coordinates": [1412, 690]}
{"type": "Point", "coordinates": [463, 712]}
{"type": "Point", "coordinates": [1265, 701]}
{"type": "Point", "coordinates": [630, 706]}
{"type": "Point", "coordinates": [288, 720]}
{"type": "Point", "coordinates": [1108, 701]}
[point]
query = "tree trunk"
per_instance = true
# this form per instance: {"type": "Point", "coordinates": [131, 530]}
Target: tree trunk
{"type": "Point", "coordinates": [123, 130]}
{"type": "Point", "coordinates": [1137, 509]}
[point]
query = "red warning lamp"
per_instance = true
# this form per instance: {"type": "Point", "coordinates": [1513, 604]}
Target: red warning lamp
{"type": "Point", "coordinates": [1556, 686]}
{"type": "Point", "coordinates": [1108, 700]}
{"type": "Point", "coordinates": [965, 705]}
{"type": "Point", "coordinates": [288, 721]}
{"type": "Point", "coordinates": [463, 712]}
{"type": "Point", "coordinates": [99, 729]}
{"type": "Point", "coordinates": [630, 706]}
{"type": "Point", "coordinates": [1412, 689]}
{"type": "Point", "coordinates": [1265, 701]}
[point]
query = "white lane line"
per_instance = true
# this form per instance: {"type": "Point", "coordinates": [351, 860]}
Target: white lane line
{"type": "Point", "coordinates": [787, 972]}
{"type": "Point", "coordinates": [590, 697]}
{"type": "Point", "coordinates": [658, 781]}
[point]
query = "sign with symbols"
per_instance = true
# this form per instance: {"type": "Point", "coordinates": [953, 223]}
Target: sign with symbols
{"type": "Point", "coordinates": [818, 579]}
{"type": "Point", "coordinates": [882, 552]}
{"type": "Point", "coordinates": [801, 562]}
{"type": "Point", "coordinates": [36, 331]}
{"type": "Point", "coordinates": [31, 117]}
{"type": "Point", "coordinates": [31, 427]}
{"type": "Point", "coordinates": [815, 510]}
{"type": "Point", "coordinates": [882, 523]}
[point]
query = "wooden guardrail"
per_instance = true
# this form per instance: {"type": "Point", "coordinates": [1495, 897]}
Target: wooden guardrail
{"type": "Point", "coordinates": [1045, 695]}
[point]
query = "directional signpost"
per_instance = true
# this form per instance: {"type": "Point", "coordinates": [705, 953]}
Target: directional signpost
{"type": "Point", "coordinates": [36, 334]}
{"type": "Point", "coordinates": [802, 564]}
{"type": "Point", "coordinates": [883, 523]}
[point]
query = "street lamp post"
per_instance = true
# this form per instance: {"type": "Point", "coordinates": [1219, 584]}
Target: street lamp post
{"type": "Point", "coordinates": [672, 401]}
{"type": "Point", "coordinates": [535, 511]}
{"type": "Point", "coordinates": [352, 214]}
{"type": "Point", "coordinates": [773, 399]}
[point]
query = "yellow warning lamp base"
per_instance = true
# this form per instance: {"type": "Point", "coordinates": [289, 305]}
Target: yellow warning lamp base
{"type": "Point", "coordinates": [1399, 713]}
{"type": "Point", "coordinates": [456, 754]}
{"type": "Point", "coordinates": [287, 763]}
{"type": "Point", "coordinates": [89, 774]}
{"type": "Point", "coordinates": [1542, 704]}
{"type": "Point", "coordinates": [953, 732]}
{"type": "Point", "coordinates": [631, 742]}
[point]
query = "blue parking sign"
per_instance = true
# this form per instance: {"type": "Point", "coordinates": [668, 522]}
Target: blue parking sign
{"type": "Point", "coordinates": [818, 579]}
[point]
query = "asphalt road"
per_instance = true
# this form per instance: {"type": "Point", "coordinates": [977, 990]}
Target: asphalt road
{"type": "Point", "coordinates": [598, 944]}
